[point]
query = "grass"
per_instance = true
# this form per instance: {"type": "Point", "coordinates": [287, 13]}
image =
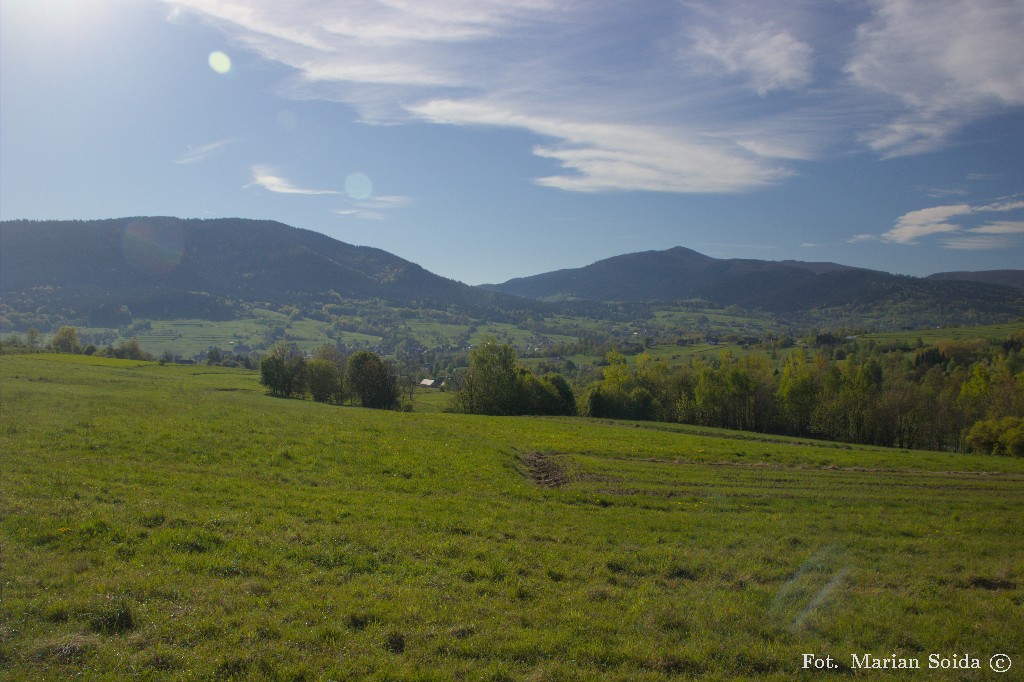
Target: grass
{"type": "Point", "coordinates": [189, 337]}
{"type": "Point", "coordinates": [176, 522]}
{"type": "Point", "coordinates": [993, 332]}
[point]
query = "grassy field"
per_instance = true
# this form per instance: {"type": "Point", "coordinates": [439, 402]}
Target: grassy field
{"type": "Point", "coordinates": [189, 337]}
{"type": "Point", "coordinates": [175, 522]}
{"type": "Point", "coordinates": [995, 332]}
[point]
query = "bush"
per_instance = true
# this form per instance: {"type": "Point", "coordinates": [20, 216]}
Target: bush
{"type": "Point", "coordinates": [998, 437]}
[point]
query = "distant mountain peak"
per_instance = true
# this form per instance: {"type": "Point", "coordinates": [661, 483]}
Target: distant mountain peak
{"type": "Point", "coordinates": [790, 286]}
{"type": "Point", "coordinates": [144, 262]}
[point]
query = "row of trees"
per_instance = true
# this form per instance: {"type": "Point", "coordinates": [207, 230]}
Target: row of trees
{"type": "Point", "coordinates": [66, 340]}
{"type": "Point", "coordinates": [328, 377]}
{"type": "Point", "coordinates": [495, 385]}
{"type": "Point", "coordinates": [924, 399]}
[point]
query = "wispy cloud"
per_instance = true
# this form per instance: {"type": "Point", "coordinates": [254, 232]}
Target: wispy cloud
{"type": "Point", "coordinates": [196, 154]}
{"type": "Point", "coordinates": [675, 97]}
{"type": "Point", "coordinates": [374, 208]}
{"type": "Point", "coordinates": [916, 224]}
{"type": "Point", "coordinates": [606, 156]}
{"type": "Point", "coordinates": [767, 57]}
{"type": "Point", "coordinates": [954, 222]}
{"type": "Point", "coordinates": [946, 63]}
{"type": "Point", "coordinates": [859, 238]}
{"type": "Point", "coordinates": [977, 243]}
{"type": "Point", "coordinates": [265, 177]}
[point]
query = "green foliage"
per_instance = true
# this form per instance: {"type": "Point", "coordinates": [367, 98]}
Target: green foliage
{"type": "Point", "coordinates": [283, 371]}
{"type": "Point", "coordinates": [239, 537]}
{"type": "Point", "coordinates": [624, 393]}
{"type": "Point", "coordinates": [490, 386]}
{"type": "Point", "coordinates": [324, 380]}
{"type": "Point", "coordinates": [494, 385]}
{"type": "Point", "coordinates": [998, 436]}
{"type": "Point", "coordinates": [325, 374]}
{"type": "Point", "coordinates": [65, 340]}
{"type": "Point", "coordinates": [372, 380]}
{"type": "Point", "coordinates": [129, 350]}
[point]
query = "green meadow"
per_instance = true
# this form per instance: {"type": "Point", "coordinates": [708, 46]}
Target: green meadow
{"type": "Point", "coordinates": [174, 522]}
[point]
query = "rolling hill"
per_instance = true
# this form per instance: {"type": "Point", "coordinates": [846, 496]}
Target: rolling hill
{"type": "Point", "coordinates": [169, 267]}
{"type": "Point", "coordinates": [106, 272]}
{"type": "Point", "coordinates": [1006, 278]}
{"type": "Point", "coordinates": [782, 287]}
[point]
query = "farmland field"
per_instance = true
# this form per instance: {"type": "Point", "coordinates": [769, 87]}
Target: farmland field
{"type": "Point", "coordinates": [174, 521]}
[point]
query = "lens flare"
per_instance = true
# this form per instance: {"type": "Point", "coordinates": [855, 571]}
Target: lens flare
{"type": "Point", "coordinates": [220, 62]}
{"type": "Point", "coordinates": [152, 249]}
{"type": "Point", "coordinates": [358, 186]}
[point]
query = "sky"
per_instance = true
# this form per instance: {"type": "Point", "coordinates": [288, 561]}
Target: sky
{"type": "Point", "coordinates": [492, 139]}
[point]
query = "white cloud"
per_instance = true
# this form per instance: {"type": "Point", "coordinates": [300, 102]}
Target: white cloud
{"type": "Point", "coordinates": [263, 176]}
{"type": "Point", "coordinates": [858, 238]}
{"type": "Point", "coordinates": [926, 221]}
{"type": "Point", "coordinates": [196, 154]}
{"type": "Point", "coordinates": [947, 63]}
{"type": "Point", "coordinates": [603, 156]}
{"type": "Point", "coordinates": [1002, 206]}
{"type": "Point", "coordinates": [953, 222]}
{"type": "Point", "coordinates": [669, 97]}
{"type": "Point", "coordinates": [768, 57]}
{"type": "Point", "coordinates": [982, 243]}
{"type": "Point", "coordinates": [1004, 227]}
{"type": "Point", "coordinates": [373, 208]}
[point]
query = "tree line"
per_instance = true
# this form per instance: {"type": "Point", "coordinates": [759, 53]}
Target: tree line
{"type": "Point", "coordinates": [329, 377]}
{"type": "Point", "coordinates": [66, 340]}
{"type": "Point", "coordinates": [955, 396]}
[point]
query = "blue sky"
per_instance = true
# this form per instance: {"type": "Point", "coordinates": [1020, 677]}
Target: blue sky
{"type": "Point", "coordinates": [488, 139]}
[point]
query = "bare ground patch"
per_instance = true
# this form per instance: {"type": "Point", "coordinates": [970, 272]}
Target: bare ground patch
{"type": "Point", "coordinates": [544, 470]}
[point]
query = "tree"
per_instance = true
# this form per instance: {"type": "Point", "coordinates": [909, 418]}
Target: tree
{"type": "Point", "coordinates": [324, 381]}
{"type": "Point", "coordinates": [490, 386]}
{"type": "Point", "coordinates": [372, 380]}
{"type": "Point", "coordinates": [325, 374]}
{"type": "Point", "coordinates": [131, 350]}
{"type": "Point", "coordinates": [34, 339]}
{"type": "Point", "coordinates": [283, 371]}
{"type": "Point", "coordinates": [998, 436]}
{"type": "Point", "coordinates": [65, 340]}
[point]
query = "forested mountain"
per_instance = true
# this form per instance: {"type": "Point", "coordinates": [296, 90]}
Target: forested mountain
{"type": "Point", "coordinates": [170, 267]}
{"type": "Point", "coordinates": [777, 286]}
{"type": "Point", "coordinates": [106, 272]}
{"type": "Point", "coordinates": [1006, 278]}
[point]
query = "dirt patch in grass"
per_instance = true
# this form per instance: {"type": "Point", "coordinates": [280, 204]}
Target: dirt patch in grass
{"type": "Point", "coordinates": [544, 470]}
{"type": "Point", "coordinates": [992, 583]}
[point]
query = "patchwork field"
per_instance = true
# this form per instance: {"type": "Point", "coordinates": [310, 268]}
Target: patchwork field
{"type": "Point", "coordinates": [175, 522]}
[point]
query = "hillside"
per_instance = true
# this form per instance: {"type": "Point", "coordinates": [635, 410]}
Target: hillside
{"type": "Point", "coordinates": [170, 267]}
{"type": "Point", "coordinates": [1006, 278]}
{"type": "Point", "coordinates": [781, 287]}
{"type": "Point", "coordinates": [245, 537]}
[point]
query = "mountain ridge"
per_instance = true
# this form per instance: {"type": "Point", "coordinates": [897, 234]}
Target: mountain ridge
{"type": "Point", "coordinates": [144, 262]}
{"type": "Point", "coordinates": [1007, 278]}
{"type": "Point", "coordinates": [163, 267]}
{"type": "Point", "coordinates": [781, 287]}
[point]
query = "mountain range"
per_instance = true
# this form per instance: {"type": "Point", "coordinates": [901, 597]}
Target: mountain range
{"type": "Point", "coordinates": [784, 287]}
{"type": "Point", "coordinates": [169, 267]}
{"type": "Point", "coordinates": [163, 267]}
